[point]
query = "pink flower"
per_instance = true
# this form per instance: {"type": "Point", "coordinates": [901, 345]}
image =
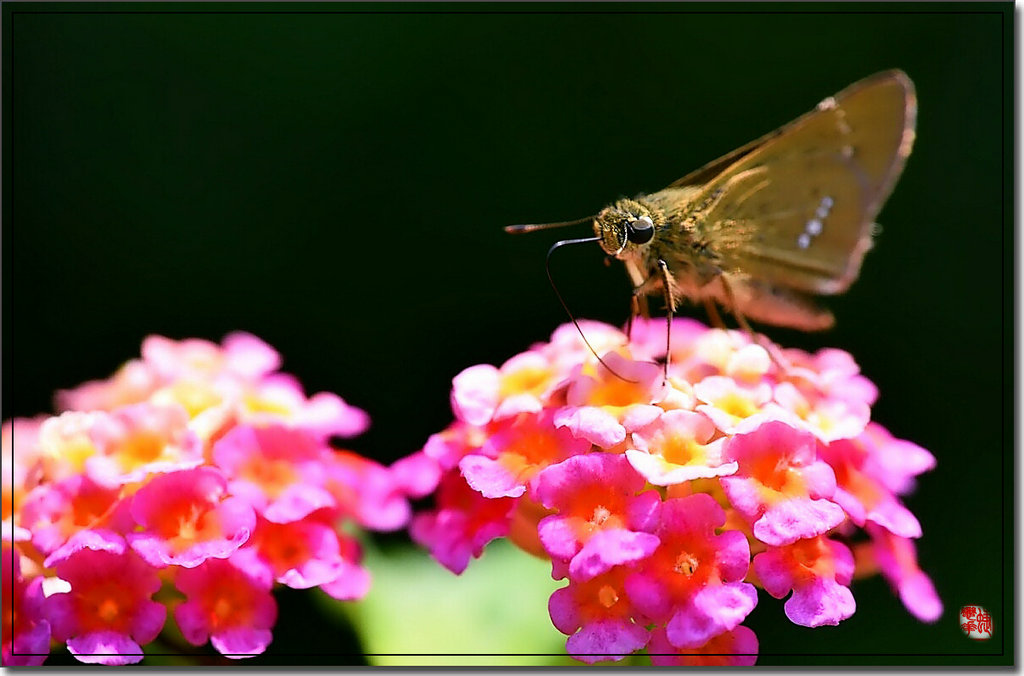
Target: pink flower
{"type": "Point", "coordinates": [64, 445]}
{"type": "Point", "coordinates": [483, 393]}
{"type": "Point", "coordinates": [231, 608]}
{"type": "Point", "coordinates": [301, 554]}
{"type": "Point", "coordinates": [366, 491]}
{"type": "Point", "coordinates": [133, 383]}
{"type": "Point", "coordinates": [22, 470]}
{"type": "Point", "coordinates": [602, 407]}
{"type": "Point", "coordinates": [818, 571]}
{"type": "Point", "coordinates": [648, 340]}
{"type": "Point", "coordinates": [677, 447]}
{"type": "Point", "coordinates": [736, 648]}
{"type": "Point", "coordinates": [601, 518]}
{"type": "Point", "coordinates": [26, 632]}
{"type": "Point", "coordinates": [107, 615]}
{"type": "Point", "coordinates": [735, 407]}
{"type": "Point", "coordinates": [243, 355]}
{"type": "Point", "coordinates": [462, 525]}
{"type": "Point", "coordinates": [161, 478]}
{"type": "Point", "coordinates": [280, 471]}
{"type": "Point", "coordinates": [897, 559]}
{"type": "Point", "coordinates": [831, 373]}
{"type": "Point", "coordinates": [651, 493]}
{"type": "Point", "coordinates": [278, 399]}
{"type": "Point", "coordinates": [597, 616]}
{"type": "Point", "coordinates": [447, 448]}
{"type": "Point", "coordinates": [515, 452]}
{"type": "Point", "coordinates": [824, 417]}
{"type": "Point", "coordinates": [134, 441]}
{"type": "Point", "coordinates": [780, 486]}
{"type": "Point", "coordinates": [893, 462]}
{"type": "Point", "coordinates": [187, 517]}
{"type": "Point", "coordinates": [567, 351]}
{"type": "Point", "coordinates": [693, 581]}
{"type": "Point", "coordinates": [861, 489]}
{"type": "Point", "coordinates": [53, 512]}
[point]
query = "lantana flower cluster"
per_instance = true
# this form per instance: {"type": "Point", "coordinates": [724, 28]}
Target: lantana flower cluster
{"type": "Point", "coordinates": [667, 502]}
{"type": "Point", "coordinates": [185, 486]}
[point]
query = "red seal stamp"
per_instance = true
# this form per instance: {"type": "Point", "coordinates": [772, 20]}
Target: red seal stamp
{"type": "Point", "coordinates": [976, 623]}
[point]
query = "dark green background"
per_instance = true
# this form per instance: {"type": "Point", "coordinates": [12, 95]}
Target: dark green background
{"type": "Point", "coordinates": [334, 178]}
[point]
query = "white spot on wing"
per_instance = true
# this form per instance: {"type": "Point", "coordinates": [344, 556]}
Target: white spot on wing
{"type": "Point", "coordinates": [814, 226]}
{"type": "Point", "coordinates": [824, 207]}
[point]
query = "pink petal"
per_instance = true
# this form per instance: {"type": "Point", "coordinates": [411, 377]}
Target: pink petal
{"type": "Point", "coordinates": [821, 602]}
{"type": "Point", "coordinates": [328, 414]}
{"type": "Point", "coordinates": [736, 648]}
{"type": "Point", "coordinates": [772, 569]}
{"type": "Point", "coordinates": [790, 520]}
{"type": "Point", "coordinates": [241, 642]}
{"type": "Point", "coordinates": [647, 592]}
{"type": "Point", "coordinates": [109, 648]}
{"type": "Point", "coordinates": [97, 540]}
{"type": "Point", "coordinates": [249, 356]}
{"type": "Point", "coordinates": [475, 394]}
{"type": "Point", "coordinates": [591, 423]}
{"type": "Point", "coordinates": [640, 415]}
{"type": "Point", "coordinates": [713, 610]}
{"type": "Point", "coordinates": [658, 472]}
{"type": "Point", "coordinates": [417, 474]}
{"type": "Point", "coordinates": [917, 593]}
{"type": "Point", "coordinates": [609, 548]}
{"type": "Point", "coordinates": [518, 403]}
{"type": "Point", "coordinates": [490, 478]}
{"type": "Point", "coordinates": [192, 622]}
{"type": "Point", "coordinates": [296, 502]}
{"type": "Point", "coordinates": [352, 583]}
{"type": "Point", "coordinates": [30, 646]}
{"type": "Point", "coordinates": [895, 518]}
{"type": "Point", "coordinates": [564, 611]}
{"type": "Point", "coordinates": [733, 555]}
{"type": "Point", "coordinates": [558, 537]}
{"type": "Point", "coordinates": [606, 640]}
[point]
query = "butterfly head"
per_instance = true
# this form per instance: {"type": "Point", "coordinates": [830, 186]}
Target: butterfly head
{"type": "Point", "coordinates": [625, 226]}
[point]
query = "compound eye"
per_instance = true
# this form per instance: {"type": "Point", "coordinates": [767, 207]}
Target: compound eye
{"type": "Point", "coordinates": [640, 231]}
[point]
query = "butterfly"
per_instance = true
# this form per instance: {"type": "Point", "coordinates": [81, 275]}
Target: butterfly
{"type": "Point", "coordinates": [768, 227]}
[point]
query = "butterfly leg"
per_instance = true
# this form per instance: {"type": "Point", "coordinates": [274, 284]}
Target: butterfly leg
{"type": "Point", "coordinates": [713, 316]}
{"type": "Point", "coordinates": [769, 347]}
{"type": "Point", "coordinates": [670, 308]}
{"type": "Point", "coordinates": [634, 310]}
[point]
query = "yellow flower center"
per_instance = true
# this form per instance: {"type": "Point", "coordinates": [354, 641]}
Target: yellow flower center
{"type": "Point", "coordinates": [525, 381]}
{"type": "Point", "coordinates": [686, 564]}
{"type": "Point", "coordinates": [140, 448]}
{"type": "Point", "coordinates": [736, 405]}
{"type": "Point", "coordinates": [681, 450]}
{"type": "Point", "coordinates": [607, 596]}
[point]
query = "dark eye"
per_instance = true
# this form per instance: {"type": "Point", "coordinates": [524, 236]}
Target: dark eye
{"type": "Point", "coordinates": [640, 231]}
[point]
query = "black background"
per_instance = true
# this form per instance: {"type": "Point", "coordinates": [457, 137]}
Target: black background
{"type": "Point", "coordinates": [334, 179]}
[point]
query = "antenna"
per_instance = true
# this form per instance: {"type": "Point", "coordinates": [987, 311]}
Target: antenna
{"type": "Point", "coordinates": [547, 267]}
{"type": "Point", "coordinates": [531, 227]}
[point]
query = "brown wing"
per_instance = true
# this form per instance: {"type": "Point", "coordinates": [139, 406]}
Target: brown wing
{"type": "Point", "coordinates": [795, 209]}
